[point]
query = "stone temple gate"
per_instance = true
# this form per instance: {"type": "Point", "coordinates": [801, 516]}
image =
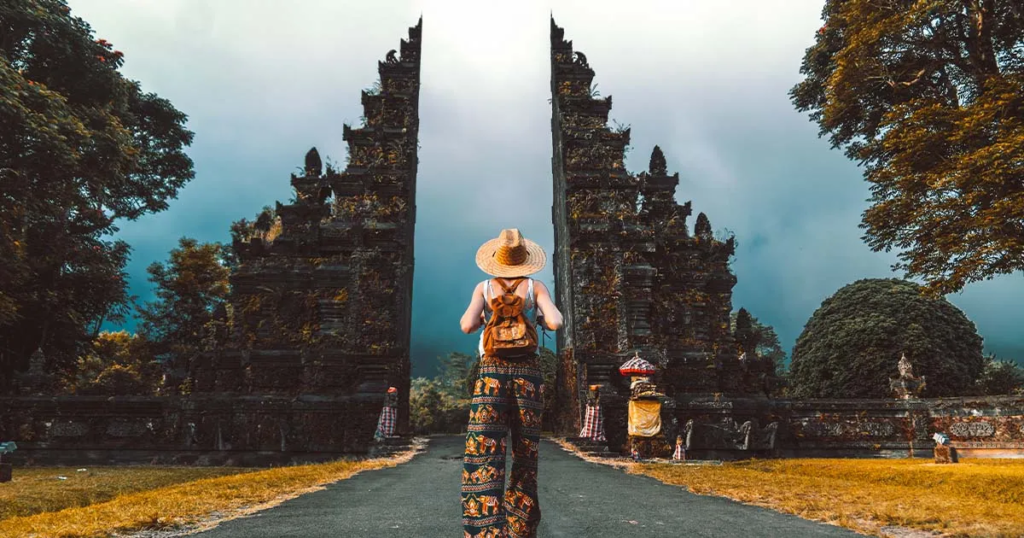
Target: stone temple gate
{"type": "Point", "coordinates": [321, 303]}
{"type": "Point", "coordinates": [316, 328]}
{"type": "Point", "coordinates": [318, 323]}
{"type": "Point", "coordinates": [629, 275]}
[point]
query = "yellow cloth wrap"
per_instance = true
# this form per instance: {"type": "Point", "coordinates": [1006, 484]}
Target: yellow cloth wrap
{"type": "Point", "coordinates": [644, 418]}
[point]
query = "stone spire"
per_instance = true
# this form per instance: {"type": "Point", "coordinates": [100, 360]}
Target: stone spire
{"type": "Point", "coordinates": [314, 166]}
{"type": "Point", "coordinates": [658, 167]}
{"type": "Point", "coordinates": [702, 228]}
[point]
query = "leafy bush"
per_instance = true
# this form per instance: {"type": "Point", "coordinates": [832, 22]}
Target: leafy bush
{"type": "Point", "coordinates": [433, 409]}
{"type": "Point", "coordinates": [441, 404]}
{"type": "Point", "coordinates": [851, 345]}
{"type": "Point", "coordinates": [118, 363]}
{"type": "Point", "coordinates": [999, 377]}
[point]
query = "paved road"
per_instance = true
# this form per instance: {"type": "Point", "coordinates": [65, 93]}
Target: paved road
{"type": "Point", "coordinates": [421, 499]}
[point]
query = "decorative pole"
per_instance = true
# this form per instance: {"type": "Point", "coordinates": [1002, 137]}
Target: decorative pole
{"type": "Point", "coordinates": [593, 424]}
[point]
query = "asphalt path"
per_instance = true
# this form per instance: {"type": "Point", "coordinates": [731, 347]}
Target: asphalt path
{"type": "Point", "coordinates": [578, 499]}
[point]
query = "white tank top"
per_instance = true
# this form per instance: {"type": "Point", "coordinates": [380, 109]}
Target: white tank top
{"type": "Point", "coordinates": [530, 308]}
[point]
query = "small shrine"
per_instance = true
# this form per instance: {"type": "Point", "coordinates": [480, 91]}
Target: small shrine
{"type": "Point", "coordinates": [645, 436]}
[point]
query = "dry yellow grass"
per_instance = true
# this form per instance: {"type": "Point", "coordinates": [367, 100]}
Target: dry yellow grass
{"type": "Point", "coordinates": [189, 502]}
{"type": "Point", "coordinates": [972, 498]}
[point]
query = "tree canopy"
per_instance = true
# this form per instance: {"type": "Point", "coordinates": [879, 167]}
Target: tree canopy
{"type": "Point", "coordinates": [441, 404]}
{"type": "Point", "coordinates": [999, 377]}
{"type": "Point", "coordinates": [117, 364]}
{"type": "Point", "coordinates": [852, 344]}
{"type": "Point", "coordinates": [190, 288]}
{"type": "Point", "coordinates": [929, 97]}
{"type": "Point", "coordinates": [81, 147]}
{"type": "Point", "coordinates": [750, 332]}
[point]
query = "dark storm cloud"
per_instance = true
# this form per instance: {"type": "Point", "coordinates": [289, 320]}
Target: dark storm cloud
{"type": "Point", "coordinates": [706, 81]}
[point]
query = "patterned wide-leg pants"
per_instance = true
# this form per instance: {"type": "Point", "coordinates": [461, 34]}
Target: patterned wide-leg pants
{"type": "Point", "coordinates": [506, 398]}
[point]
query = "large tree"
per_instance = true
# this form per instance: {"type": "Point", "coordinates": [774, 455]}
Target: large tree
{"type": "Point", "coordinates": [81, 147]}
{"type": "Point", "coordinates": [190, 288]}
{"type": "Point", "coordinates": [928, 95]}
{"type": "Point", "coordinates": [852, 344]}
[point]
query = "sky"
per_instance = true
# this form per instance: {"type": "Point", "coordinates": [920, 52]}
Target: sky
{"type": "Point", "coordinates": [263, 81]}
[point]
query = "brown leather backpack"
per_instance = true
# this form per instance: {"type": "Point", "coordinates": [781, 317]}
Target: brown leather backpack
{"type": "Point", "coordinates": [508, 333]}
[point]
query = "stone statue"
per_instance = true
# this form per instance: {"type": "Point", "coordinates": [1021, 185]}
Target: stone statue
{"type": "Point", "coordinates": [727, 435]}
{"type": "Point", "coordinates": [906, 386]}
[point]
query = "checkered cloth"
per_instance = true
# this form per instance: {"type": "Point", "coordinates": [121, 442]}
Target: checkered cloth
{"type": "Point", "coordinates": [386, 423]}
{"type": "Point", "coordinates": [593, 424]}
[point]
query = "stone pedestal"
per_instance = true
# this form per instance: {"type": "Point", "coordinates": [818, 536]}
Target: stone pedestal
{"type": "Point", "coordinates": [6, 471]}
{"type": "Point", "coordinates": [650, 447]}
{"type": "Point", "coordinates": [945, 454]}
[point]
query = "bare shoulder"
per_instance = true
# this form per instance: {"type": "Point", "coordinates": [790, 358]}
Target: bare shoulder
{"type": "Point", "coordinates": [539, 286]}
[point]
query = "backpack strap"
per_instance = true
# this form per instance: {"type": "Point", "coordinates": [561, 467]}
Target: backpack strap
{"type": "Point", "coordinates": [511, 288]}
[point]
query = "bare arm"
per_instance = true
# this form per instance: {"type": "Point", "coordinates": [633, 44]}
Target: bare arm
{"type": "Point", "coordinates": [474, 316]}
{"type": "Point", "coordinates": [552, 317]}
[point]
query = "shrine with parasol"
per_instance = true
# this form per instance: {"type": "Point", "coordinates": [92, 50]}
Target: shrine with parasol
{"type": "Point", "coordinates": [646, 437]}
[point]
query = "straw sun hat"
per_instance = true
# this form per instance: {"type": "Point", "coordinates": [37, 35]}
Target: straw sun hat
{"type": "Point", "coordinates": [510, 255]}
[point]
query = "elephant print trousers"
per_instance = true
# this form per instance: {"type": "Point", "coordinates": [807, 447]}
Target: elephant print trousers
{"type": "Point", "coordinates": [506, 398]}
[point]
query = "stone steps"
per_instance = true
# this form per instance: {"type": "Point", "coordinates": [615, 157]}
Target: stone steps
{"type": "Point", "coordinates": [390, 446]}
{"type": "Point", "coordinates": [591, 448]}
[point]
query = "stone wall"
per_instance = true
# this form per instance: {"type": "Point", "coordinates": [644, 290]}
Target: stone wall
{"type": "Point", "coordinates": [199, 429]}
{"type": "Point", "coordinates": [259, 430]}
{"type": "Point", "coordinates": [979, 427]}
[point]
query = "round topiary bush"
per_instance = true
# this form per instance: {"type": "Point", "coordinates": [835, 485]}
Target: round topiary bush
{"type": "Point", "coordinates": [851, 345]}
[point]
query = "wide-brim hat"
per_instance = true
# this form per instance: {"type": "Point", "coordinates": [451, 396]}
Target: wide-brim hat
{"type": "Point", "coordinates": [510, 255]}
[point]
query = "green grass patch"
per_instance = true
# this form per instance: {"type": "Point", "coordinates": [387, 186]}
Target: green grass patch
{"type": "Point", "coordinates": [35, 490]}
